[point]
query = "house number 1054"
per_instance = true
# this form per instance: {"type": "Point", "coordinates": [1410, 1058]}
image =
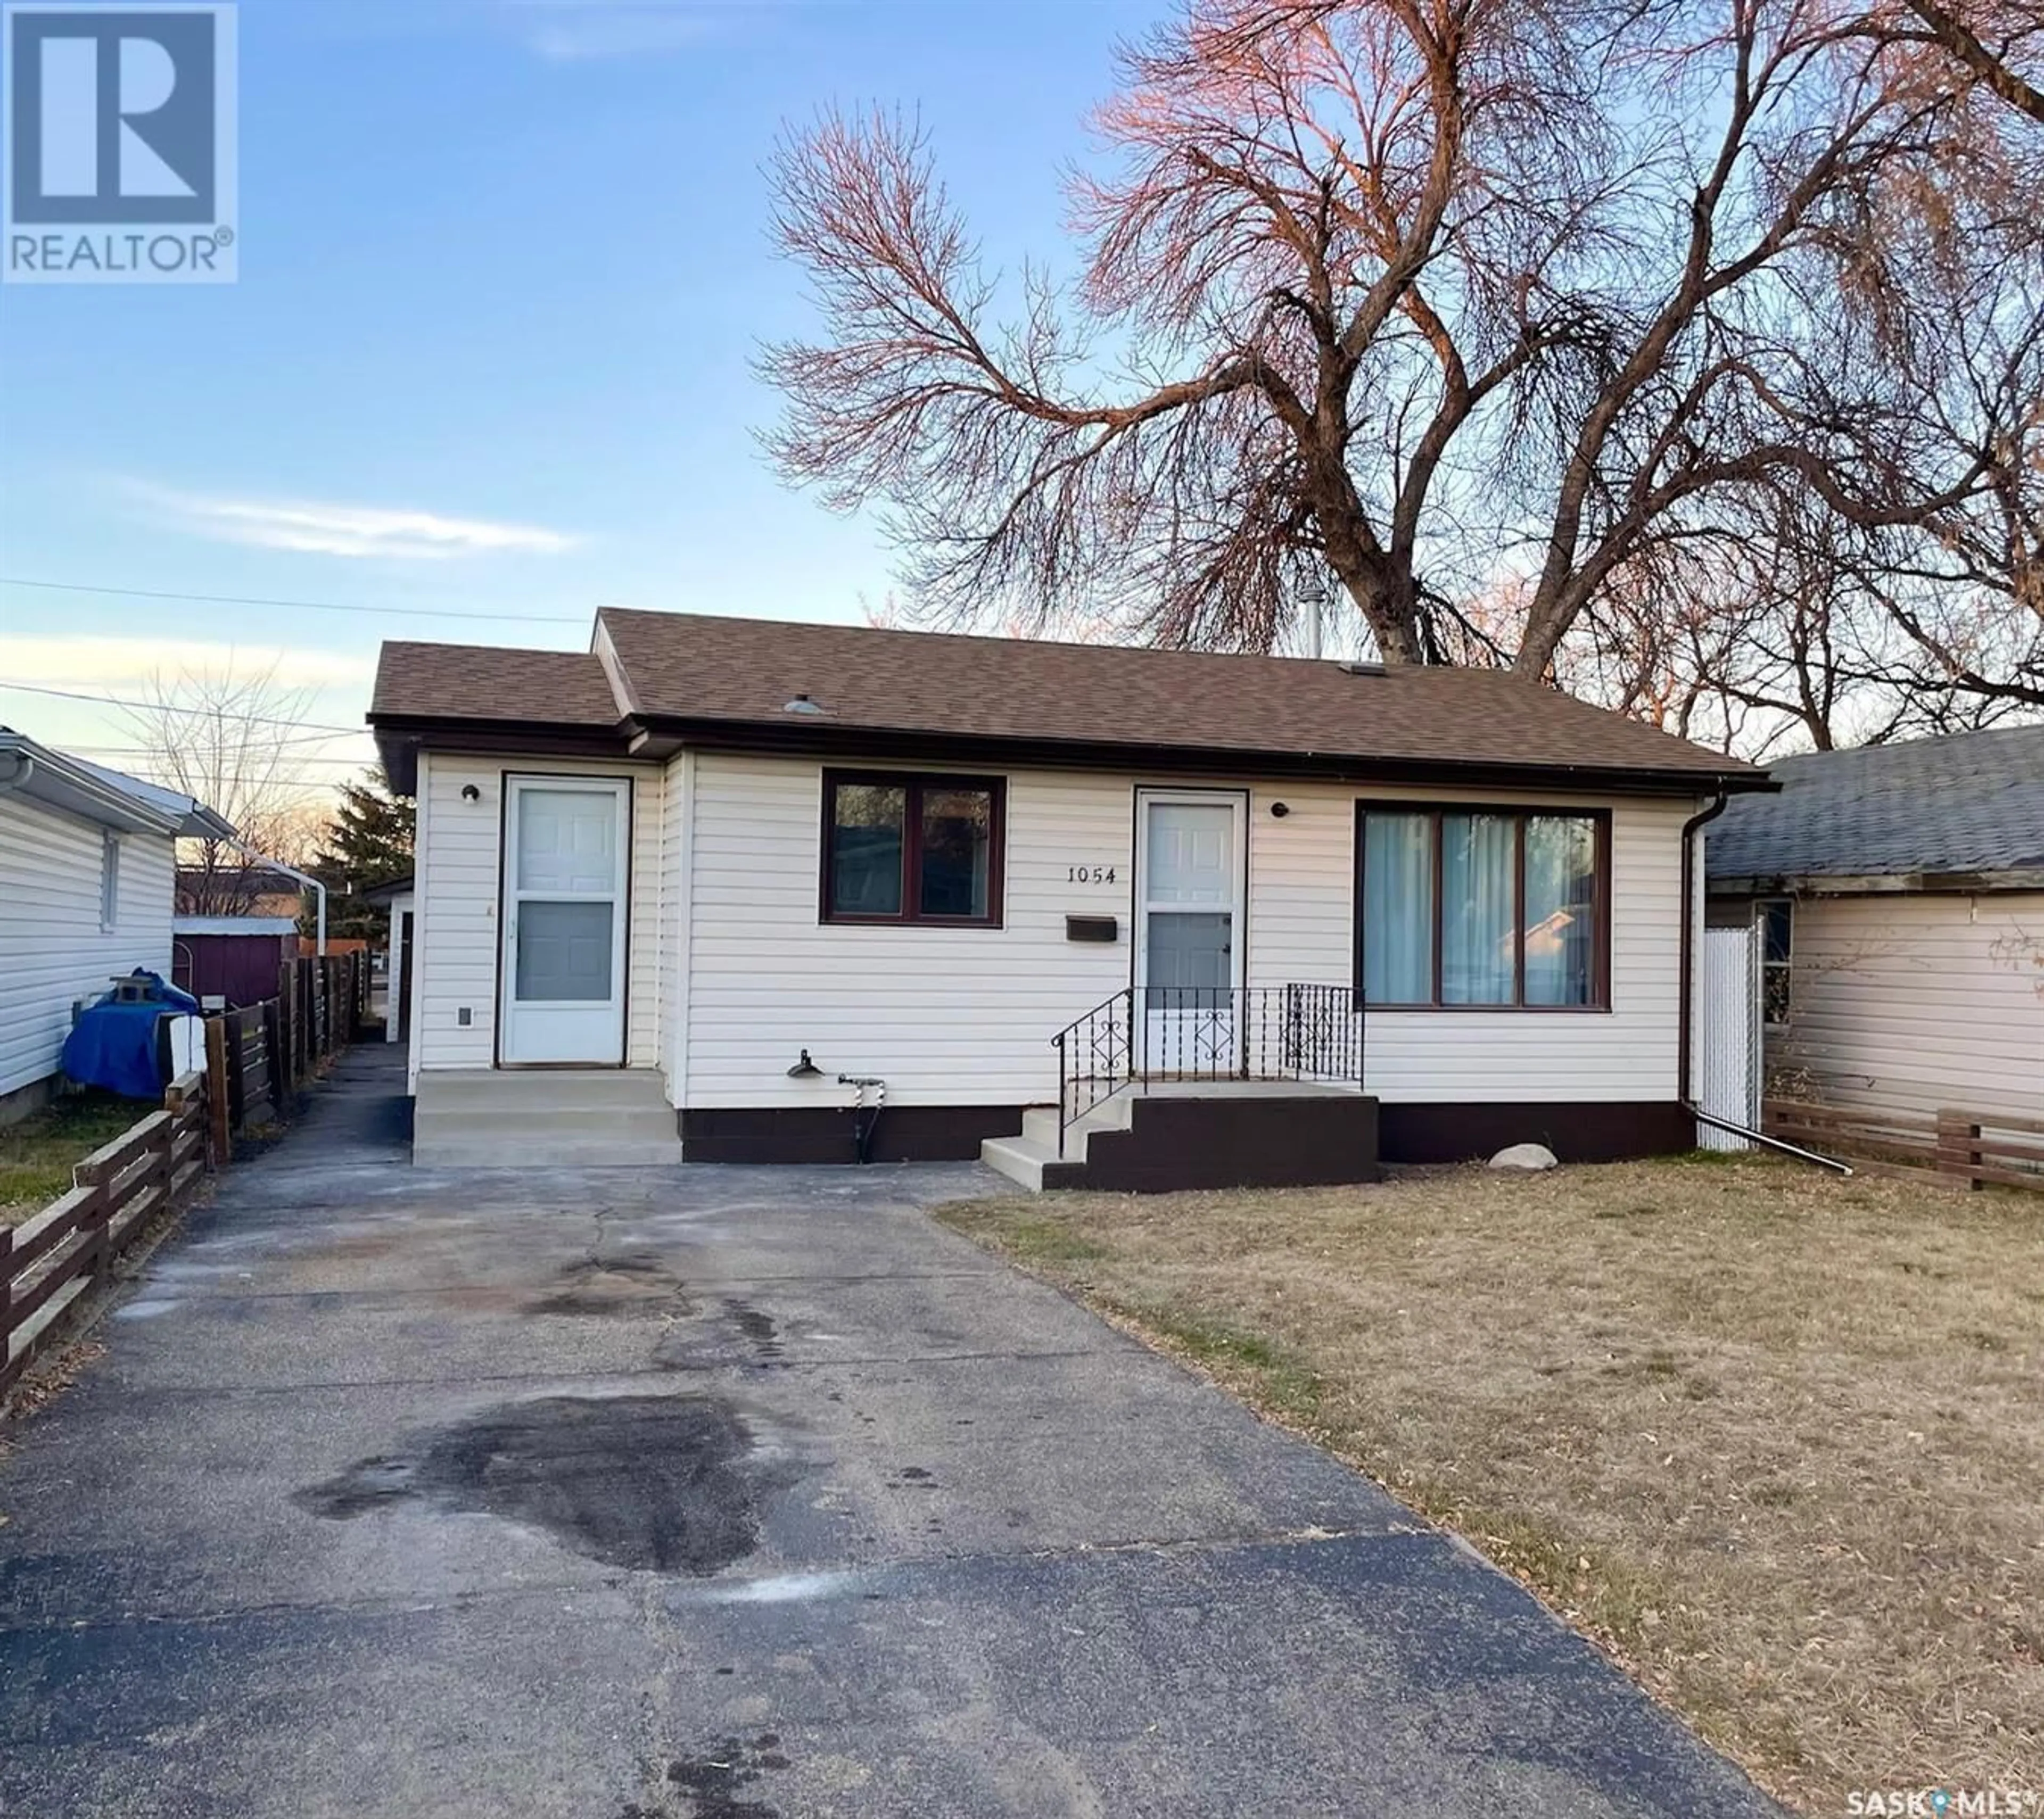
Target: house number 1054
{"type": "Point", "coordinates": [1090, 875]}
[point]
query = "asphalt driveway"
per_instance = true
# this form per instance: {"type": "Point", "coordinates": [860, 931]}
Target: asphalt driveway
{"type": "Point", "coordinates": [725, 1494]}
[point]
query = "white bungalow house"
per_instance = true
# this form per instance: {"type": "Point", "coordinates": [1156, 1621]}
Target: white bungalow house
{"type": "Point", "coordinates": [87, 871]}
{"type": "Point", "coordinates": [1131, 918]}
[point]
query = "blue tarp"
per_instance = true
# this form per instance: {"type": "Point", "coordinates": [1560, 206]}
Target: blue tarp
{"type": "Point", "coordinates": [114, 1045]}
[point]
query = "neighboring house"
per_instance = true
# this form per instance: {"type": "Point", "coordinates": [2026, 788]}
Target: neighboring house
{"type": "Point", "coordinates": [88, 860]}
{"type": "Point", "coordinates": [741, 860]}
{"type": "Point", "coordinates": [1897, 893]}
{"type": "Point", "coordinates": [232, 887]}
{"type": "Point", "coordinates": [399, 898]}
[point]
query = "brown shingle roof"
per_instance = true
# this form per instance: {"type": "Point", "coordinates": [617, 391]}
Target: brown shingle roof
{"type": "Point", "coordinates": [694, 667]}
{"type": "Point", "coordinates": [685, 674]}
{"type": "Point", "coordinates": [479, 682]}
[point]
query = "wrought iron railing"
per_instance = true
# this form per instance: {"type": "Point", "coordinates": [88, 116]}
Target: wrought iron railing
{"type": "Point", "coordinates": [1155, 1033]}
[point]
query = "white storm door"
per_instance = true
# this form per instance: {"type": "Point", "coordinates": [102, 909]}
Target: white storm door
{"type": "Point", "coordinates": [563, 966]}
{"type": "Point", "coordinates": [1190, 880]}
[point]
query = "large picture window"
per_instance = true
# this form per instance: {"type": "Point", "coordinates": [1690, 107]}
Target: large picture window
{"type": "Point", "coordinates": [1497, 907]}
{"type": "Point", "coordinates": [902, 848]}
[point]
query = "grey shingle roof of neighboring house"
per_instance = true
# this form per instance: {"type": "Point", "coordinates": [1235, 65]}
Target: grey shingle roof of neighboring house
{"type": "Point", "coordinates": [1968, 804]}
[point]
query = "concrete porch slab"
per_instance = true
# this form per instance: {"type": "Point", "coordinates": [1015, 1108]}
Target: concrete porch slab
{"type": "Point", "coordinates": [485, 1117]}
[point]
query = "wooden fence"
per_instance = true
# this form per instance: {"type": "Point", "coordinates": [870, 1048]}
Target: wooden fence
{"type": "Point", "coordinates": [58, 1256]}
{"type": "Point", "coordinates": [1954, 1147]}
{"type": "Point", "coordinates": [257, 1058]}
{"type": "Point", "coordinates": [269, 1051]}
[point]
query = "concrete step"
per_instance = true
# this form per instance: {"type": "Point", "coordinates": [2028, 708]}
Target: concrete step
{"type": "Point", "coordinates": [542, 1089]}
{"type": "Point", "coordinates": [1163, 1135]}
{"type": "Point", "coordinates": [1024, 1158]}
{"type": "Point", "coordinates": [1040, 1122]}
{"type": "Point", "coordinates": [489, 1118]}
{"type": "Point", "coordinates": [1021, 1159]}
{"type": "Point", "coordinates": [546, 1152]}
{"type": "Point", "coordinates": [564, 1121]}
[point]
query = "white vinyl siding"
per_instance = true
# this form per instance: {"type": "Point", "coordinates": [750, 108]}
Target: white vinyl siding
{"type": "Point", "coordinates": [947, 1016]}
{"type": "Point", "coordinates": [458, 883]}
{"type": "Point", "coordinates": [53, 948]}
{"type": "Point", "coordinates": [965, 1016]}
{"type": "Point", "coordinates": [1912, 1002]}
{"type": "Point", "coordinates": [1302, 927]}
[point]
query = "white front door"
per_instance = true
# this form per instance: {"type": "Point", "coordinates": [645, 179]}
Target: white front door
{"type": "Point", "coordinates": [562, 965]}
{"type": "Point", "coordinates": [1190, 885]}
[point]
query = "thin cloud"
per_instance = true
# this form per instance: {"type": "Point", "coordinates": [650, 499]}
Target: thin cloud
{"type": "Point", "coordinates": [319, 527]}
{"type": "Point", "coordinates": [583, 31]}
{"type": "Point", "coordinates": [115, 666]}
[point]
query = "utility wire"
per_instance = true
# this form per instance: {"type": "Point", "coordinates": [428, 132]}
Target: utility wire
{"type": "Point", "coordinates": [314, 728]}
{"type": "Point", "coordinates": [306, 605]}
{"type": "Point", "coordinates": [145, 751]}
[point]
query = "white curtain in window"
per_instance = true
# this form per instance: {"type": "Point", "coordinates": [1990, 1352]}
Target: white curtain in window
{"type": "Point", "coordinates": [1479, 947]}
{"type": "Point", "coordinates": [1397, 909]}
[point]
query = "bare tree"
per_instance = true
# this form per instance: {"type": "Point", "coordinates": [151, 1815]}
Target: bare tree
{"type": "Point", "coordinates": [1771, 642]}
{"type": "Point", "coordinates": [221, 736]}
{"type": "Point", "coordinates": [1464, 300]}
{"type": "Point", "coordinates": [1997, 42]}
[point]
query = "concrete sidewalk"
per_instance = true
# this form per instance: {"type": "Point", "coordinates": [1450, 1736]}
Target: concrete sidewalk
{"type": "Point", "coordinates": [704, 1491]}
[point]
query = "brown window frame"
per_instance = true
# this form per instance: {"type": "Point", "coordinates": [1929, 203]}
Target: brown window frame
{"type": "Point", "coordinates": [913, 783]}
{"type": "Point", "coordinates": [1600, 1001]}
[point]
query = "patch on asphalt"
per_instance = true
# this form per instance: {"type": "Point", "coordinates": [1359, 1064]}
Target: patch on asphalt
{"type": "Point", "coordinates": [598, 1287]}
{"type": "Point", "coordinates": [716, 1784]}
{"type": "Point", "coordinates": [758, 1327]}
{"type": "Point", "coordinates": [743, 1328]}
{"type": "Point", "coordinates": [657, 1483]}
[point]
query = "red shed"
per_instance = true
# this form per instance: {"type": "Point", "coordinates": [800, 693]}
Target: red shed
{"type": "Point", "coordinates": [236, 958]}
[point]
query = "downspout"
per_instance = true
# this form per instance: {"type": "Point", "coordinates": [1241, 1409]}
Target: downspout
{"type": "Point", "coordinates": [1761, 1137]}
{"type": "Point", "coordinates": [1690, 829]}
{"type": "Point", "coordinates": [1692, 826]}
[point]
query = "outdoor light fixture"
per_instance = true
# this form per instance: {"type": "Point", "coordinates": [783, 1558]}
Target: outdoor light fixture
{"type": "Point", "coordinates": [804, 1068]}
{"type": "Point", "coordinates": [471, 793]}
{"type": "Point", "coordinates": [1279, 810]}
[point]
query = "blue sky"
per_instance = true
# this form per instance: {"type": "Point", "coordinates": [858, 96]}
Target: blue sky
{"type": "Point", "coordinates": [504, 264]}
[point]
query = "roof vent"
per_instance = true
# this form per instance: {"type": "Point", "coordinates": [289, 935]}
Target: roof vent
{"type": "Point", "coordinates": [801, 704]}
{"type": "Point", "coordinates": [1362, 668]}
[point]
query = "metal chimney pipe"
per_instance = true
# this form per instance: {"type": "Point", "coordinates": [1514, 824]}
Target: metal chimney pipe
{"type": "Point", "coordinates": [1313, 596]}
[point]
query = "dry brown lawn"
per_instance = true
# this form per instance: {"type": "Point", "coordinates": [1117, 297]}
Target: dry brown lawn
{"type": "Point", "coordinates": [37, 1152]}
{"type": "Point", "coordinates": [1774, 1439]}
